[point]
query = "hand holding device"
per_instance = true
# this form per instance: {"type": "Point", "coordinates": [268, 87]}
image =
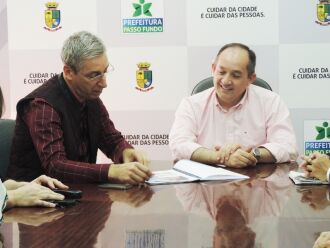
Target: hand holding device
{"type": "Point", "coordinates": [63, 203]}
{"type": "Point", "coordinates": [69, 194]}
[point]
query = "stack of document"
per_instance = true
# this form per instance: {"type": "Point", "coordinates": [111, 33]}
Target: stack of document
{"type": "Point", "coordinates": [299, 178]}
{"type": "Point", "coordinates": [190, 171]}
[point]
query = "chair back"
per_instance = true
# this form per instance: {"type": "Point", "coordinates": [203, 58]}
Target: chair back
{"type": "Point", "coordinates": [208, 83]}
{"type": "Point", "coordinates": [7, 127]}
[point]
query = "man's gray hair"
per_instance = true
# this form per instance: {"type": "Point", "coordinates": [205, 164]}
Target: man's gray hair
{"type": "Point", "coordinates": [79, 47]}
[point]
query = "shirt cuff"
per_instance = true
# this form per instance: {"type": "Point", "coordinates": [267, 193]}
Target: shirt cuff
{"type": "Point", "coordinates": [104, 172]}
{"type": "Point", "coordinates": [280, 153]}
{"type": "Point", "coordinates": [118, 157]}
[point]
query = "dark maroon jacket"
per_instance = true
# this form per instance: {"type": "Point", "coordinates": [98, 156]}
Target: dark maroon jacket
{"type": "Point", "coordinates": [24, 161]}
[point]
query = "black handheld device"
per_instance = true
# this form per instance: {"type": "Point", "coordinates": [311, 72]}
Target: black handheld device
{"type": "Point", "coordinates": [63, 203]}
{"type": "Point", "coordinates": [115, 186]}
{"type": "Point", "coordinates": [69, 194]}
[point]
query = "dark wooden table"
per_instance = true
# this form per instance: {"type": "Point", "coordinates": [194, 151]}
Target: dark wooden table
{"type": "Point", "coordinates": [267, 210]}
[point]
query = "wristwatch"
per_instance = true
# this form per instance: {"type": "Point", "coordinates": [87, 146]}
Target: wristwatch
{"type": "Point", "coordinates": [256, 153]}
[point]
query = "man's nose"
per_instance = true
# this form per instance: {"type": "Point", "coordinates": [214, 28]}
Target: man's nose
{"type": "Point", "coordinates": [103, 81]}
{"type": "Point", "coordinates": [226, 79]}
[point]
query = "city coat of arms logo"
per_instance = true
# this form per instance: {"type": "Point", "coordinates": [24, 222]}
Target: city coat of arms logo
{"type": "Point", "coordinates": [52, 17]}
{"type": "Point", "coordinates": [144, 77]}
{"type": "Point", "coordinates": [323, 13]}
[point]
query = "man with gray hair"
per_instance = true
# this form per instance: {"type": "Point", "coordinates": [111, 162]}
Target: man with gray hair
{"type": "Point", "coordinates": [61, 125]}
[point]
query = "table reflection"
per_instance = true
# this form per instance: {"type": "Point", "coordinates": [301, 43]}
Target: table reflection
{"type": "Point", "coordinates": [76, 226]}
{"type": "Point", "coordinates": [33, 216]}
{"type": "Point", "coordinates": [317, 197]}
{"type": "Point", "coordinates": [134, 197]}
{"type": "Point", "coordinates": [236, 206]}
{"type": "Point", "coordinates": [267, 210]}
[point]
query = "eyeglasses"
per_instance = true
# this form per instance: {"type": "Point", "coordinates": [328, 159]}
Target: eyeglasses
{"type": "Point", "coordinates": [97, 76]}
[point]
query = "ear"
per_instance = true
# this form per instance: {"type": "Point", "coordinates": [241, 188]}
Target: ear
{"type": "Point", "coordinates": [67, 72]}
{"type": "Point", "coordinates": [253, 78]}
{"type": "Point", "coordinates": [213, 68]}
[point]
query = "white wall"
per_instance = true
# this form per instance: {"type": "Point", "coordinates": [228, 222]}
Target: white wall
{"type": "Point", "coordinates": [286, 42]}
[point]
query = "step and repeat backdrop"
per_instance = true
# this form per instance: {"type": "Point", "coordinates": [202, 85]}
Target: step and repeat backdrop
{"type": "Point", "coordinates": [161, 49]}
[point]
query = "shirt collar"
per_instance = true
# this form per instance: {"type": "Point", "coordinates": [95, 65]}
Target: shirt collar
{"type": "Point", "coordinates": [69, 94]}
{"type": "Point", "coordinates": [237, 106]}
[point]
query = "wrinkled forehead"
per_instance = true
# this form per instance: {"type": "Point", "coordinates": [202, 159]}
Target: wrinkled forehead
{"type": "Point", "coordinates": [99, 63]}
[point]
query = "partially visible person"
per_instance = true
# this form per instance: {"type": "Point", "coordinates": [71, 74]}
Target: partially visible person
{"type": "Point", "coordinates": [317, 165]}
{"type": "Point", "coordinates": [323, 241]}
{"type": "Point", "coordinates": [3, 192]}
{"type": "Point", "coordinates": [61, 125]}
{"type": "Point", "coordinates": [28, 194]}
{"type": "Point", "coordinates": [235, 122]}
{"type": "Point", "coordinates": [13, 193]}
{"type": "Point", "coordinates": [2, 105]}
{"type": "Point", "coordinates": [34, 193]}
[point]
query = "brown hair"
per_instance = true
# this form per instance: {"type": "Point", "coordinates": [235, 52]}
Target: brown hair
{"type": "Point", "coordinates": [252, 56]}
